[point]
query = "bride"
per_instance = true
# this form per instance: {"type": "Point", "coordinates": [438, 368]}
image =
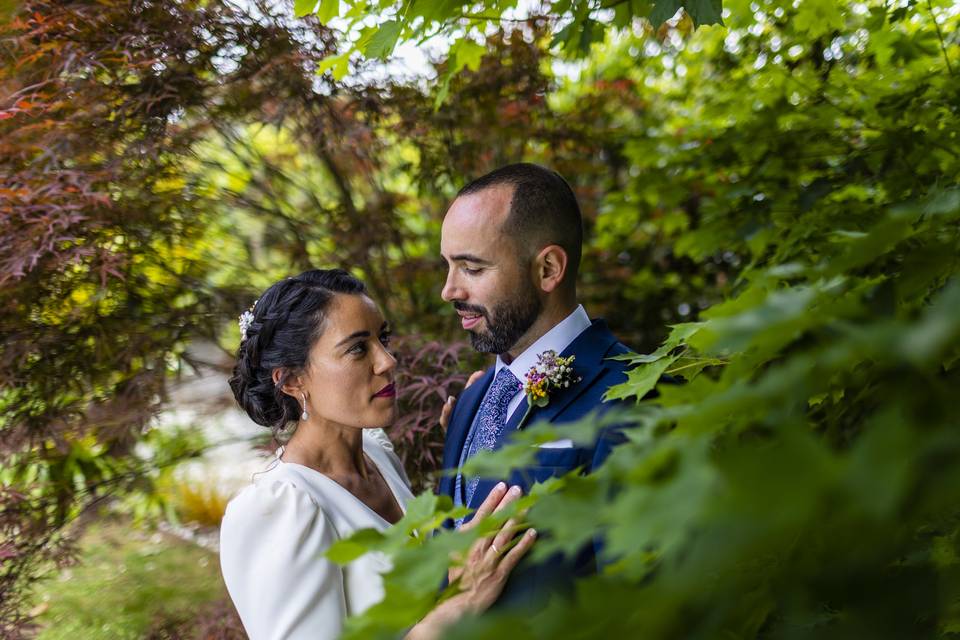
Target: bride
{"type": "Point", "coordinates": [314, 351]}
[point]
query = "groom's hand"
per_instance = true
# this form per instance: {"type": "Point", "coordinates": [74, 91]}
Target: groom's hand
{"type": "Point", "coordinates": [447, 410]}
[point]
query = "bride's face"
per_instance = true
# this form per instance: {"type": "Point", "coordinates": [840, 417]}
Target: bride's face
{"type": "Point", "coordinates": [348, 379]}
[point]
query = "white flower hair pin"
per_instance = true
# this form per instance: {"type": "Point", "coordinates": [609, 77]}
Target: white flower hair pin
{"type": "Point", "coordinates": [246, 319]}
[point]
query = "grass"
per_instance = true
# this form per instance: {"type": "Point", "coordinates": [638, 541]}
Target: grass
{"type": "Point", "coordinates": [128, 581]}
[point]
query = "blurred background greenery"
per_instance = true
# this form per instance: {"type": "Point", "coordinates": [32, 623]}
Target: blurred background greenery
{"type": "Point", "coordinates": [783, 184]}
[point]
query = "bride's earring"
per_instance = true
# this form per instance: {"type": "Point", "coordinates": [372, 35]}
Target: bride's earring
{"type": "Point", "coordinates": [304, 415]}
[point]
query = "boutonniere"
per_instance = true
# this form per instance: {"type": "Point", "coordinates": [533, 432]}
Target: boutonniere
{"type": "Point", "coordinates": [550, 374]}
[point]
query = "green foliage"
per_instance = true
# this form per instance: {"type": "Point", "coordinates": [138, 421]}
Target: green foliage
{"type": "Point", "coordinates": [461, 23]}
{"type": "Point", "coordinates": [129, 583]}
{"type": "Point", "coordinates": [802, 481]}
{"type": "Point", "coordinates": [781, 193]}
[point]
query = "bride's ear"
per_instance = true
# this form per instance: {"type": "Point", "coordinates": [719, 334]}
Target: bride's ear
{"type": "Point", "coordinates": [289, 383]}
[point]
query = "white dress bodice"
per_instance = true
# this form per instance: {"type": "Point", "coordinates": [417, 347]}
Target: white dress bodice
{"type": "Point", "coordinates": [273, 537]}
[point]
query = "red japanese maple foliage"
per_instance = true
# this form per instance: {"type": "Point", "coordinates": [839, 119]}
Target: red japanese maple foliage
{"type": "Point", "coordinates": [100, 103]}
{"type": "Point", "coordinates": [427, 374]}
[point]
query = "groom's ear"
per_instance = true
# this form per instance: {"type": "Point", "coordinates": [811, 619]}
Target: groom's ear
{"type": "Point", "coordinates": [551, 265]}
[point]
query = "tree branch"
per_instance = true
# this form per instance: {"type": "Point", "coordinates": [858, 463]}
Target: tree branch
{"type": "Point", "coordinates": [943, 47]}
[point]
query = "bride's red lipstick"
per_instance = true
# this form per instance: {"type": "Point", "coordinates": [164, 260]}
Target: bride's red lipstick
{"type": "Point", "coordinates": [388, 391]}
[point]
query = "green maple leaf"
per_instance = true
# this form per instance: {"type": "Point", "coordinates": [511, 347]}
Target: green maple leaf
{"type": "Point", "coordinates": [663, 10]}
{"type": "Point", "coordinates": [329, 9]}
{"type": "Point", "coordinates": [337, 65]}
{"type": "Point", "coordinates": [466, 53]}
{"type": "Point", "coordinates": [700, 11]}
{"type": "Point", "coordinates": [640, 380]}
{"type": "Point", "coordinates": [304, 7]}
{"type": "Point", "coordinates": [705, 11]}
{"type": "Point", "coordinates": [382, 42]}
{"type": "Point", "coordinates": [349, 549]}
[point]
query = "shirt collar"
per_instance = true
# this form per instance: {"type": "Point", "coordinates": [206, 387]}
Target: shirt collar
{"type": "Point", "coordinates": [557, 339]}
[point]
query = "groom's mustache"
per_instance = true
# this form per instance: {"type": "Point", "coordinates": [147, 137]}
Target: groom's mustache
{"type": "Point", "coordinates": [470, 308]}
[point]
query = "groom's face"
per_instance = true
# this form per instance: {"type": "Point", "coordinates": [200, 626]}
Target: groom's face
{"type": "Point", "coordinates": [488, 281]}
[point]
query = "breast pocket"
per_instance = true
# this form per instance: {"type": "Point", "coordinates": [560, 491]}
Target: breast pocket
{"type": "Point", "coordinates": [552, 462]}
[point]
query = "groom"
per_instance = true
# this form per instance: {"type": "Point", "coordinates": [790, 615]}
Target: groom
{"type": "Point", "coordinates": [512, 243]}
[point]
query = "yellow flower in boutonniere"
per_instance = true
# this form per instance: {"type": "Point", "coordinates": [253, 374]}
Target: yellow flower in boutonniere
{"type": "Point", "coordinates": [550, 374]}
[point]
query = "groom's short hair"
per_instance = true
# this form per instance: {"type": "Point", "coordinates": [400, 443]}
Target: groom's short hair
{"type": "Point", "coordinates": [543, 210]}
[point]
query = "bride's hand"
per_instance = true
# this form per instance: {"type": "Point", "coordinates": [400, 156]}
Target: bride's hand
{"type": "Point", "coordinates": [489, 562]}
{"type": "Point", "coordinates": [447, 410]}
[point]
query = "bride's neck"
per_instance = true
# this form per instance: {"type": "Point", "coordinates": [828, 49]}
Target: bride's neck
{"type": "Point", "coordinates": [333, 450]}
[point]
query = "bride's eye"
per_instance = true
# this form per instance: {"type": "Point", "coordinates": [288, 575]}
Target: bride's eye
{"type": "Point", "coordinates": [358, 349]}
{"type": "Point", "coordinates": [385, 338]}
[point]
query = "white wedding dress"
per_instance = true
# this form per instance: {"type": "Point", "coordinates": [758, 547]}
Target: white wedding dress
{"type": "Point", "coordinates": [273, 538]}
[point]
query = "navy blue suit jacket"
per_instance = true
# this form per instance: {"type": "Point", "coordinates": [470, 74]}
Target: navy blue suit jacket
{"type": "Point", "coordinates": [530, 582]}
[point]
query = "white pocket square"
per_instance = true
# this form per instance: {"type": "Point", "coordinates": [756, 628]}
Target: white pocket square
{"type": "Point", "coordinates": [566, 443]}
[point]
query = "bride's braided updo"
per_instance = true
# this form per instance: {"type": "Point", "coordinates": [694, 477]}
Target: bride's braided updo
{"type": "Point", "coordinates": [287, 320]}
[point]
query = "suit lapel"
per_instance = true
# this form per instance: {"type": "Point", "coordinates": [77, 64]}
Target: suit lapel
{"type": "Point", "coordinates": [589, 348]}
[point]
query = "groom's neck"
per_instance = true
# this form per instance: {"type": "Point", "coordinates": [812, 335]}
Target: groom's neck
{"type": "Point", "coordinates": [554, 312]}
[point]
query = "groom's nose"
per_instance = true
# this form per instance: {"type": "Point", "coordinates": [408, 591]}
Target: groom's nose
{"type": "Point", "coordinates": [451, 289]}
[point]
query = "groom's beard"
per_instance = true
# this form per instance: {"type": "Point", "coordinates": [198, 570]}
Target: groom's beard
{"type": "Point", "coordinates": [509, 321]}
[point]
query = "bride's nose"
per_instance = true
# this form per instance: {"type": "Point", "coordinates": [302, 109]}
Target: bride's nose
{"type": "Point", "coordinates": [383, 362]}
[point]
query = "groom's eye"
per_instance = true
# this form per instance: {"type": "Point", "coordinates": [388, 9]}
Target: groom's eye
{"type": "Point", "coordinates": [471, 271]}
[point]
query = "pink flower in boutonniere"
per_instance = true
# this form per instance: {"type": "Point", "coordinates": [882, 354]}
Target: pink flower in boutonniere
{"type": "Point", "coordinates": [550, 374]}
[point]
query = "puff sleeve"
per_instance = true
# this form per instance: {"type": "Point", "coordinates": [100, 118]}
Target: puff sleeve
{"type": "Point", "coordinates": [272, 541]}
{"type": "Point", "coordinates": [381, 438]}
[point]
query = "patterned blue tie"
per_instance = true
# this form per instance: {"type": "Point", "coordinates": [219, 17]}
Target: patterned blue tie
{"type": "Point", "coordinates": [491, 419]}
